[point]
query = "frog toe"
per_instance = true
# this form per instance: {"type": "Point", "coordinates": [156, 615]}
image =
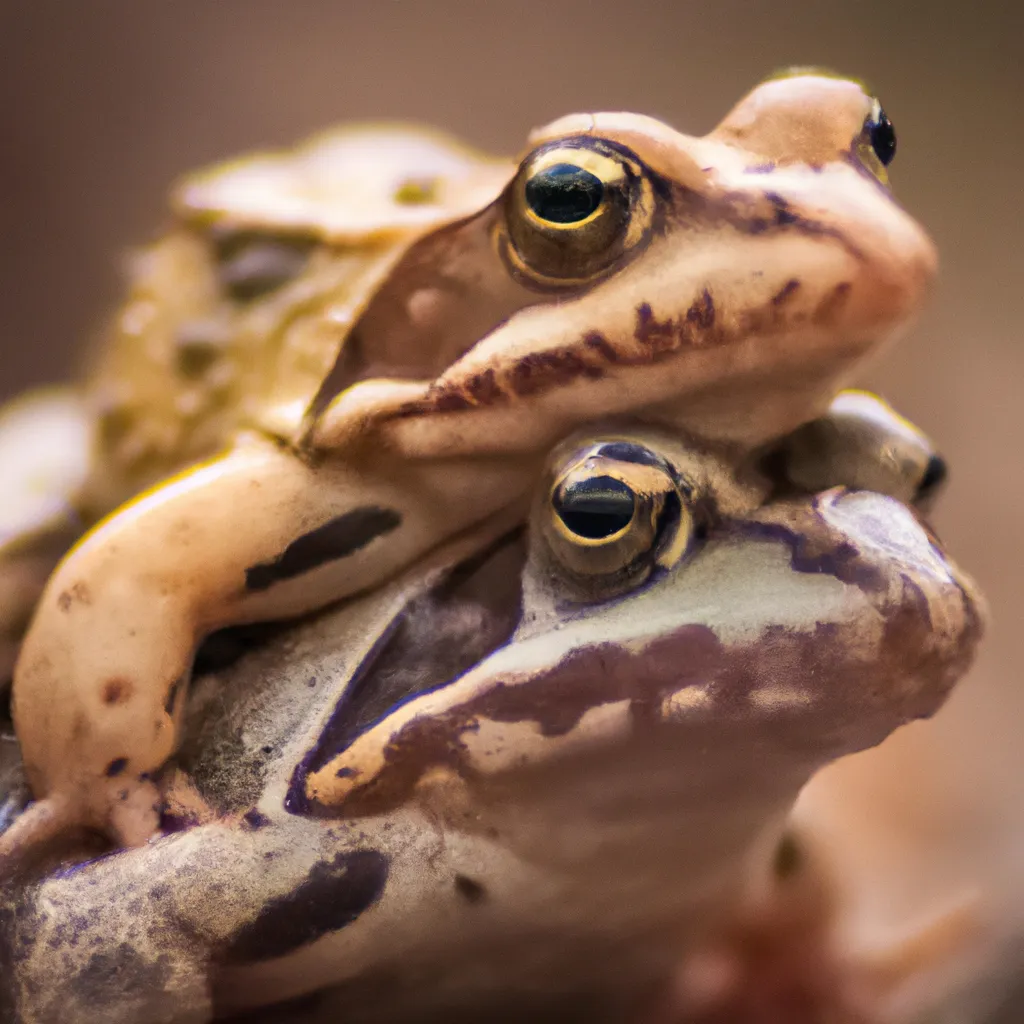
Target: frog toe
{"type": "Point", "coordinates": [134, 816]}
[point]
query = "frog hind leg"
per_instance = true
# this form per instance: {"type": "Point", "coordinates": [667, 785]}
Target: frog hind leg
{"type": "Point", "coordinates": [46, 450]}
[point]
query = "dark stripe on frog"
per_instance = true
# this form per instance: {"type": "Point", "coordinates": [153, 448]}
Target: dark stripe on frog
{"type": "Point", "coordinates": [397, 669]}
{"type": "Point", "coordinates": [333, 895]}
{"type": "Point", "coordinates": [814, 547]}
{"type": "Point", "coordinates": [628, 451]}
{"type": "Point", "coordinates": [335, 539]}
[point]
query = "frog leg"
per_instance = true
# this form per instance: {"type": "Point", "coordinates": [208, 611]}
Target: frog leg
{"type": "Point", "coordinates": [862, 443]}
{"type": "Point", "coordinates": [256, 534]}
{"type": "Point", "coordinates": [46, 441]}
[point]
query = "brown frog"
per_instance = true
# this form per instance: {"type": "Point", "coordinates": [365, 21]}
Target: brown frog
{"type": "Point", "coordinates": [525, 775]}
{"type": "Point", "coordinates": [388, 348]}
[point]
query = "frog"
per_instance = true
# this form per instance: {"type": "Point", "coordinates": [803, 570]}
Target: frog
{"type": "Point", "coordinates": [529, 773]}
{"type": "Point", "coordinates": [726, 285]}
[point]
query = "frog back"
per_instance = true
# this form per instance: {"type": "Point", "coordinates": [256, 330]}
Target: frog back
{"type": "Point", "coordinates": [235, 316]}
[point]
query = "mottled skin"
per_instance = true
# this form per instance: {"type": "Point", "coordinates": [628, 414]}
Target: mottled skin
{"type": "Point", "coordinates": [546, 831]}
{"type": "Point", "coordinates": [723, 285]}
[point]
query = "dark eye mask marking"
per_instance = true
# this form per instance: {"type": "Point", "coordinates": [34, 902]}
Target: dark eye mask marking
{"type": "Point", "coordinates": [334, 895]}
{"type": "Point", "coordinates": [335, 539]}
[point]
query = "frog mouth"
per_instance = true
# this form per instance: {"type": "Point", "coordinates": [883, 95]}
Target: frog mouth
{"type": "Point", "coordinates": [439, 636]}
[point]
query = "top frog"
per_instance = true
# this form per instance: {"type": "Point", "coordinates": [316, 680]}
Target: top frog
{"type": "Point", "coordinates": [389, 333]}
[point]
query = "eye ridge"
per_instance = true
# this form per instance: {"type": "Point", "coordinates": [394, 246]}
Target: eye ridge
{"type": "Point", "coordinates": [564, 193]}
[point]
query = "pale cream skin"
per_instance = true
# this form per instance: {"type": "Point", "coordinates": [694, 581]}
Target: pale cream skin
{"type": "Point", "coordinates": [737, 281]}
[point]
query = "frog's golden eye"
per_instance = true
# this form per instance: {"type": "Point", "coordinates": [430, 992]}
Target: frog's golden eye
{"type": "Point", "coordinates": [574, 210]}
{"type": "Point", "coordinates": [617, 508]}
{"type": "Point", "coordinates": [877, 143]}
{"type": "Point", "coordinates": [598, 508]}
{"type": "Point", "coordinates": [251, 265]}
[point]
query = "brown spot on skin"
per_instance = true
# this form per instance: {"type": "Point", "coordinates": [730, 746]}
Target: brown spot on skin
{"type": "Point", "coordinates": [664, 337]}
{"type": "Point", "coordinates": [470, 889]}
{"type": "Point", "coordinates": [595, 341]}
{"type": "Point", "coordinates": [76, 594]}
{"type": "Point", "coordinates": [118, 690]}
{"type": "Point", "coordinates": [253, 819]}
{"type": "Point", "coordinates": [830, 306]}
{"type": "Point", "coordinates": [444, 399]}
{"type": "Point", "coordinates": [172, 698]}
{"type": "Point", "coordinates": [483, 388]}
{"type": "Point", "coordinates": [657, 335]}
{"type": "Point", "coordinates": [541, 370]}
{"type": "Point", "coordinates": [783, 214]}
{"type": "Point", "coordinates": [702, 312]}
{"type": "Point", "coordinates": [786, 292]}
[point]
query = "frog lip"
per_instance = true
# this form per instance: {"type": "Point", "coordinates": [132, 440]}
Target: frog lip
{"type": "Point", "coordinates": [442, 633]}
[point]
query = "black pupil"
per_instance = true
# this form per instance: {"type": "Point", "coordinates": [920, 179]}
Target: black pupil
{"type": "Point", "coordinates": [564, 193]}
{"type": "Point", "coordinates": [595, 508]}
{"type": "Point", "coordinates": [934, 477]}
{"type": "Point", "coordinates": [883, 138]}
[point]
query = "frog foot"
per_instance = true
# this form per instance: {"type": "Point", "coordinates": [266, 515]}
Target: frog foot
{"type": "Point", "coordinates": [134, 815]}
{"type": "Point", "coordinates": [130, 818]}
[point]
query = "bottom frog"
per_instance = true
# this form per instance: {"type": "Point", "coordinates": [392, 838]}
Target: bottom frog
{"type": "Point", "coordinates": [523, 783]}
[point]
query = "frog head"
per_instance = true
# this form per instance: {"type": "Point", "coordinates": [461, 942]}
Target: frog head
{"type": "Point", "coordinates": [725, 284]}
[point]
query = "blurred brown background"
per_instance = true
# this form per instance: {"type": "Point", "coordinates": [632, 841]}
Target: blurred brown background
{"type": "Point", "coordinates": [103, 102]}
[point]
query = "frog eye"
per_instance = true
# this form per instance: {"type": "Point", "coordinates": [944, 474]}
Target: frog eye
{"type": "Point", "coordinates": [617, 508]}
{"type": "Point", "coordinates": [883, 136]}
{"type": "Point", "coordinates": [574, 210]}
{"type": "Point", "coordinates": [877, 143]}
{"type": "Point", "coordinates": [251, 265]}
{"type": "Point", "coordinates": [596, 509]}
{"type": "Point", "coordinates": [932, 481]}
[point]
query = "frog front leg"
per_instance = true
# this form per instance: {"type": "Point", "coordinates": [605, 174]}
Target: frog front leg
{"type": "Point", "coordinates": [256, 534]}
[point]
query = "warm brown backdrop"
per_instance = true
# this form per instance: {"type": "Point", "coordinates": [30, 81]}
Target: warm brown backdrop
{"type": "Point", "coordinates": [102, 102]}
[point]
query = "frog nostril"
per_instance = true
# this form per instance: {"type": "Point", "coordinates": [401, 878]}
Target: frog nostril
{"type": "Point", "coordinates": [935, 475]}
